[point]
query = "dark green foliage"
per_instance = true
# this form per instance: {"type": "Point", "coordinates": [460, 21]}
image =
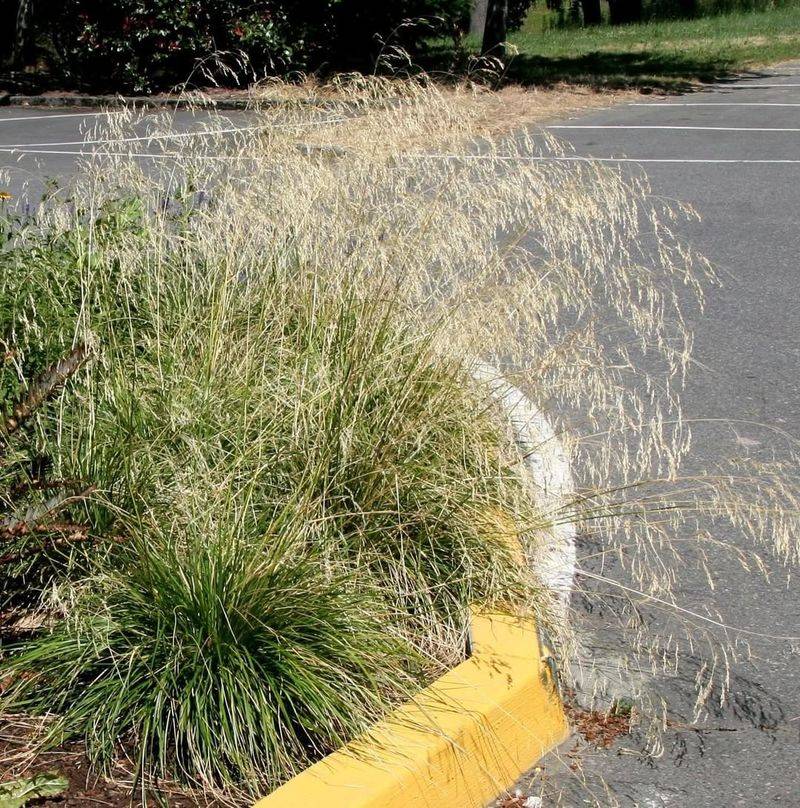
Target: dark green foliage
{"type": "Point", "coordinates": [146, 45]}
{"type": "Point", "coordinates": [130, 45]}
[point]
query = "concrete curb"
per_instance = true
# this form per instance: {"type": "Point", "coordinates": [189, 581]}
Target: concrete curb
{"type": "Point", "coordinates": [139, 101]}
{"type": "Point", "coordinates": [79, 100]}
{"type": "Point", "coordinates": [550, 471]}
{"type": "Point", "coordinates": [459, 743]}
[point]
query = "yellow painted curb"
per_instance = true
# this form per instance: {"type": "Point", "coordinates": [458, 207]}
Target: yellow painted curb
{"type": "Point", "coordinates": [459, 743]}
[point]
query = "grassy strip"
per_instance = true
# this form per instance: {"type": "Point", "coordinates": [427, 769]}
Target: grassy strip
{"type": "Point", "coordinates": [291, 476]}
{"type": "Point", "coordinates": [665, 55]}
{"type": "Point", "coordinates": [285, 474]}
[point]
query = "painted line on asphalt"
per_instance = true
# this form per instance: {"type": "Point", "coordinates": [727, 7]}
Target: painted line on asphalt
{"type": "Point", "coordinates": [171, 135]}
{"type": "Point", "coordinates": [677, 160]}
{"type": "Point", "coordinates": [745, 86]}
{"type": "Point", "coordinates": [142, 155]}
{"type": "Point", "coordinates": [504, 158]}
{"type": "Point", "coordinates": [676, 127]}
{"type": "Point", "coordinates": [783, 74]}
{"type": "Point", "coordinates": [58, 115]}
{"type": "Point", "coordinates": [584, 159]}
{"type": "Point", "coordinates": [671, 160]}
{"type": "Point", "coordinates": [667, 104]}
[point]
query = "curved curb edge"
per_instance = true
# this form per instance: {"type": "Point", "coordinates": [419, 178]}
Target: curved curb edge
{"type": "Point", "coordinates": [549, 467]}
{"type": "Point", "coordinates": [460, 742]}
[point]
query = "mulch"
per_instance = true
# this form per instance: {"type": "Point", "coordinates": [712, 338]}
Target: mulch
{"type": "Point", "coordinates": [86, 789]}
{"type": "Point", "coordinates": [600, 729]}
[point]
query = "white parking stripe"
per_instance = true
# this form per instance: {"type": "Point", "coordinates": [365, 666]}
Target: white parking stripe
{"type": "Point", "coordinates": [670, 160]}
{"type": "Point", "coordinates": [744, 86]}
{"type": "Point", "coordinates": [172, 135]}
{"type": "Point", "coordinates": [582, 159]}
{"type": "Point", "coordinates": [666, 126]}
{"type": "Point", "coordinates": [497, 157]}
{"type": "Point", "coordinates": [668, 104]}
{"type": "Point", "coordinates": [143, 155]}
{"type": "Point", "coordinates": [58, 116]}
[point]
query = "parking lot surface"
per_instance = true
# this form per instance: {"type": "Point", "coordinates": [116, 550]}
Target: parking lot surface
{"type": "Point", "coordinates": [732, 151]}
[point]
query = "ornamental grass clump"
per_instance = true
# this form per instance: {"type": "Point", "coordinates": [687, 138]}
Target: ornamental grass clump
{"type": "Point", "coordinates": [276, 533]}
{"type": "Point", "coordinates": [247, 495]}
{"type": "Point", "coordinates": [249, 452]}
{"type": "Point", "coordinates": [220, 661]}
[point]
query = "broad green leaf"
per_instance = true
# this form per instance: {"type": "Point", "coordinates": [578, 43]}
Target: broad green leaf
{"type": "Point", "coordinates": [19, 793]}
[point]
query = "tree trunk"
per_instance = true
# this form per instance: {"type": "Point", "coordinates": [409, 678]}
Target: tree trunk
{"type": "Point", "coordinates": [494, 34]}
{"type": "Point", "coordinates": [625, 11]}
{"type": "Point", "coordinates": [591, 12]}
{"type": "Point", "coordinates": [477, 18]}
{"type": "Point", "coordinates": [22, 52]}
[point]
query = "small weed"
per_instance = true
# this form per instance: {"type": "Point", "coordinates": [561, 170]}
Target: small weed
{"type": "Point", "coordinates": [19, 793]}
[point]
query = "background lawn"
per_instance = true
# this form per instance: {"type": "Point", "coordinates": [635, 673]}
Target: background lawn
{"type": "Point", "coordinates": [666, 54]}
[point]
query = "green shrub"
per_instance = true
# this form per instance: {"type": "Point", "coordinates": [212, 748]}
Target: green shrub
{"type": "Point", "coordinates": [128, 45]}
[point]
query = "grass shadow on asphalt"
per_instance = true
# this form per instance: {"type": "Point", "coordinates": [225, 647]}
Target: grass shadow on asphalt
{"type": "Point", "coordinates": [619, 69]}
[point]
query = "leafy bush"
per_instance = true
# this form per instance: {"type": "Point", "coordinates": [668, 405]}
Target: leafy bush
{"type": "Point", "coordinates": [128, 45]}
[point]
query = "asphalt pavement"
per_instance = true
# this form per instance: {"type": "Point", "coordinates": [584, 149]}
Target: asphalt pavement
{"type": "Point", "coordinates": [732, 151]}
{"type": "Point", "coordinates": [37, 144]}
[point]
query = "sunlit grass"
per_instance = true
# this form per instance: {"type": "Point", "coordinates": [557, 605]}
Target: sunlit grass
{"type": "Point", "coordinates": [666, 53]}
{"type": "Point", "coordinates": [253, 513]}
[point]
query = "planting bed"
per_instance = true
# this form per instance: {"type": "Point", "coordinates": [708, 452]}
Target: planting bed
{"type": "Point", "coordinates": [250, 479]}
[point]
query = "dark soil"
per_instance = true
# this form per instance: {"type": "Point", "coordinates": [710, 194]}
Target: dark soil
{"type": "Point", "coordinates": [86, 789]}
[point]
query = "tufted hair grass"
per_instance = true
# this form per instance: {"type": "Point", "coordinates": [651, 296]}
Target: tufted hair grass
{"type": "Point", "coordinates": [291, 461]}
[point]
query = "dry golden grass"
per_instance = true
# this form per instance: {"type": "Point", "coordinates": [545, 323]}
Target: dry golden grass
{"type": "Point", "coordinates": [483, 112]}
{"type": "Point", "coordinates": [569, 277]}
